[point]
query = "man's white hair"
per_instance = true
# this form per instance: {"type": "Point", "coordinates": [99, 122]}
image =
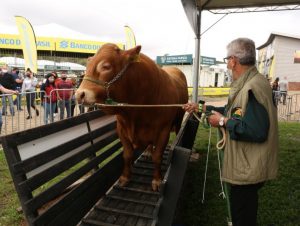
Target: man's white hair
{"type": "Point", "coordinates": [243, 49]}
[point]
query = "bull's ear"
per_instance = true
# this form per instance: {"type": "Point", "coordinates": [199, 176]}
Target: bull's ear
{"type": "Point", "coordinates": [137, 49]}
{"type": "Point", "coordinates": [134, 53]}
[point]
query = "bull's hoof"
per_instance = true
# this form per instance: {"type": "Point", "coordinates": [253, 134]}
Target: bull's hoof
{"type": "Point", "coordinates": [147, 155]}
{"type": "Point", "coordinates": [123, 181]}
{"type": "Point", "coordinates": [156, 184]}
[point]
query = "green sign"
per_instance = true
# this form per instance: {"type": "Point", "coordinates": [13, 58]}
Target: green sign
{"type": "Point", "coordinates": [176, 59]}
{"type": "Point", "coordinates": [183, 59]}
{"type": "Point", "coordinates": [53, 67]}
{"type": "Point", "coordinates": [208, 60]}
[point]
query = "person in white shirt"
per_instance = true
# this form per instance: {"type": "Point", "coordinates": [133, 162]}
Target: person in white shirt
{"type": "Point", "coordinates": [28, 86]}
{"type": "Point", "coordinates": [283, 87]}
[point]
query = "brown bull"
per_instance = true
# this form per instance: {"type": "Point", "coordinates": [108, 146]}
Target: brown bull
{"type": "Point", "coordinates": [133, 78]}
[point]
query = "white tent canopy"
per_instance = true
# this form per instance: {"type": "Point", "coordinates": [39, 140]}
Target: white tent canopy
{"type": "Point", "coordinates": [251, 5]}
{"type": "Point", "coordinates": [193, 9]}
{"type": "Point", "coordinates": [19, 62]}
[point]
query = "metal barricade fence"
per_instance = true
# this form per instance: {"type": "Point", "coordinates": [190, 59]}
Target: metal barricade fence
{"type": "Point", "coordinates": [31, 110]}
{"type": "Point", "coordinates": [21, 115]}
{"type": "Point", "coordinates": [15, 116]}
{"type": "Point", "coordinates": [290, 110]}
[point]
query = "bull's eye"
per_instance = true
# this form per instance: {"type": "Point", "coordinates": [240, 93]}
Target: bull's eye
{"type": "Point", "coordinates": [106, 66]}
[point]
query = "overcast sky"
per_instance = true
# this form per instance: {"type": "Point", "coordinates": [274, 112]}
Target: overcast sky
{"type": "Point", "coordinates": [160, 26]}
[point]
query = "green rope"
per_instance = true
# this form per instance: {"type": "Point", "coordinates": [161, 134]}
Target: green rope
{"type": "Point", "coordinates": [111, 101]}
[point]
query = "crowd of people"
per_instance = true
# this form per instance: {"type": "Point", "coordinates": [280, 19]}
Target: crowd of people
{"type": "Point", "coordinates": [57, 94]}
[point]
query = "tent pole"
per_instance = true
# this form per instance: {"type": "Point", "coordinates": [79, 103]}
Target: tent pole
{"type": "Point", "coordinates": [197, 69]}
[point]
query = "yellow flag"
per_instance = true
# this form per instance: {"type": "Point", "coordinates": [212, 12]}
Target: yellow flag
{"type": "Point", "coordinates": [28, 43]}
{"type": "Point", "coordinates": [130, 38]}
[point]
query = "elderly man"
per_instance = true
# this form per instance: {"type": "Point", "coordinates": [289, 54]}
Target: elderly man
{"type": "Point", "coordinates": [250, 122]}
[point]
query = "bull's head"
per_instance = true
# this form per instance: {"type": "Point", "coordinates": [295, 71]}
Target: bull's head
{"type": "Point", "coordinates": [103, 72]}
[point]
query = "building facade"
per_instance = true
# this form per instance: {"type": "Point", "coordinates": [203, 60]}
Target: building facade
{"type": "Point", "coordinates": [52, 53]}
{"type": "Point", "coordinates": [212, 73]}
{"type": "Point", "coordinates": [280, 57]}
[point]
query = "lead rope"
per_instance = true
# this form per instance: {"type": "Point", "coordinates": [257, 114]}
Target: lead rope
{"type": "Point", "coordinates": [206, 166]}
{"type": "Point", "coordinates": [220, 145]}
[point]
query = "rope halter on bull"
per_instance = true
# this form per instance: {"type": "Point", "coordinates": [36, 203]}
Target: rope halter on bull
{"type": "Point", "coordinates": [106, 85]}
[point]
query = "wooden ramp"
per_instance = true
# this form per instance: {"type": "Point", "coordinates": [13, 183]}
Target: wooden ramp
{"type": "Point", "coordinates": [81, 158]}
{"type": "Point", "coordinates": [136, 204]}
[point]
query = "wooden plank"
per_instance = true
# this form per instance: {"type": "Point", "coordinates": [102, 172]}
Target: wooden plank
{"type": "Point", "coordinates": [137, 201]}
{"type": "Point", "coordinates": [128, 213]}
{"type": "Point", "coordinates": [136, 190]}
{"type": "Point", "coordinates": [45, 157]}
{"type": "Point", "coordinates": [42, 177]}
{"type": "Point", "coordinates": [101, 122]}
{"type": "Point", "coordinates": [95, 134]}
{"type": "Point", "coordinates": [104, 140]}
{"type": "Point", "coordinates": [46, 130]}
{"type": "Point", "coordinates": [42, 144]}
{"type": "Point", "coordinates": [11, 154]}
{"type": "Point", "coordinates": [174, 183]}
{"type": "Point", "coordinates": [56, 169]}
{"type": "Point", "coordinates": [76, 204]}
{"type": "Point", "coordinates": [97, 223]}
{"type": "Point", "coordinates": [58, 188]}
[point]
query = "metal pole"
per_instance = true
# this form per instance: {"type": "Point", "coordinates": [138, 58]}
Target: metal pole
{"type": "Point", "coordinates": [197, 58]}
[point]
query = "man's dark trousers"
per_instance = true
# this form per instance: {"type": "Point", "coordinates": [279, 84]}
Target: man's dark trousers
{"type": "Point", "coordinates": [244, 204]}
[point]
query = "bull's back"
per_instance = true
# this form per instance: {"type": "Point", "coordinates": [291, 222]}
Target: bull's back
{"type": "Point", "coordinates": [180, 91]}
{"type": "Point", "coordinates": [178, 80]}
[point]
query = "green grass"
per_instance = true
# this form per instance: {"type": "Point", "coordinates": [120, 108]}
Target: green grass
{"type": "Point", "coordinates": [279, 203]}
{"type": "Point", "coordinates": [8, 198]}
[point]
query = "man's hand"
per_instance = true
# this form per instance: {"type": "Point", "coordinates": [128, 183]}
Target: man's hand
{"type": "Point", "coordinates": [214, 118]}
{"type": "Point", "coordinates": [193, 107]}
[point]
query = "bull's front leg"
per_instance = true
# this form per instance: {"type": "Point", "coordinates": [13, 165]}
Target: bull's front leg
{"type": "Point", "coordinates": [157, 154]}
{"type": "Point", "coordinates": [156, 158]}
{"type": "Point", "coordinates": [127, 157]}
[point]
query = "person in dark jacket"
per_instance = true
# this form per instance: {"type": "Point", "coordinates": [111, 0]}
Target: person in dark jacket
{"type": "Point", "coordinates": [8, 82]}
{"type": "Point", "coordinates": [18, 86]}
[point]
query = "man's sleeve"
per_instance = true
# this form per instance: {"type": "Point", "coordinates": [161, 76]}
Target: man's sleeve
{"type": "Point", "coordinates": [253, 126]}
{"type": "Point", "coordinates": [213, 108]}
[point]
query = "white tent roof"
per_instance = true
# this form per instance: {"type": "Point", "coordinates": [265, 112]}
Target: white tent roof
{"type": "Point", "coordinates": [218, 6]}
{"type": "Point", "coordinates": [19, 62]}
{"type": "Point", "coordinates": [52, 30]}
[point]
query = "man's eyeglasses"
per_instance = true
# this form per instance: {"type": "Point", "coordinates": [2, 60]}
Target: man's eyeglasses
{"type": "Point", "coordinates": [226, 59]}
